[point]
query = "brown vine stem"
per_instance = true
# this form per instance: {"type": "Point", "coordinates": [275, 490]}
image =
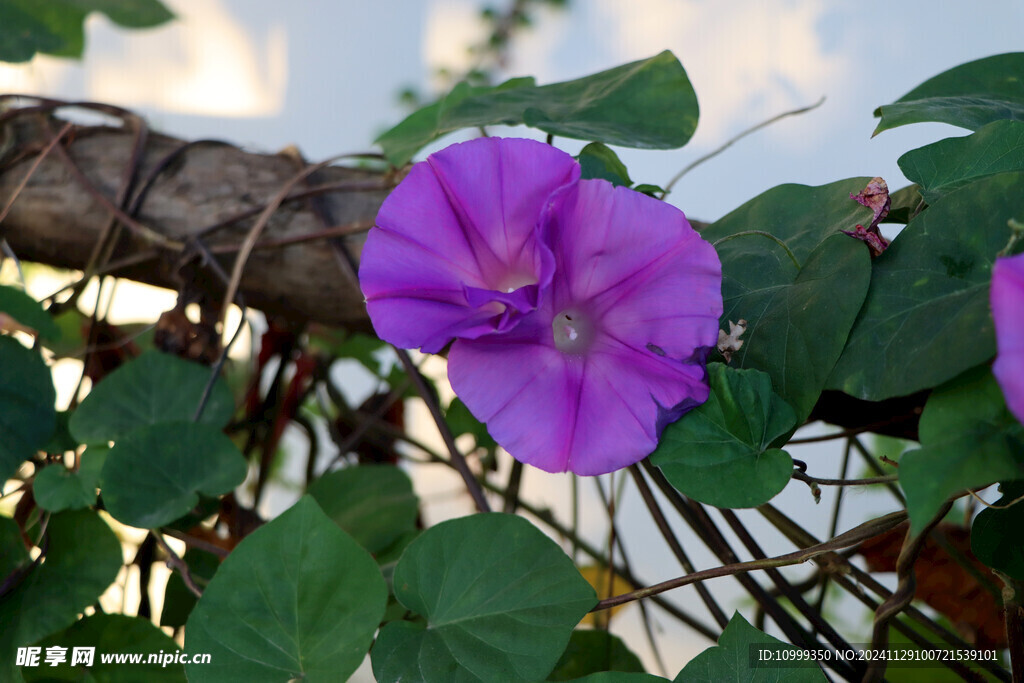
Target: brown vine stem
{"type": "Point", "coordinates": [795, 596]}
{"type": "Point", "coordinates": [839, 566]}
{"type": "Point", "coordinates": [194, 542]}
{"type": "Point", "coordinates": [54, 141]}
{"type": "Point", "coordinates": [847, 539]}
{"type": "Point", "coordinates": [885, 479]}
{"type": "Point", "coordinates": [675, 546]}
{"type": "Point", "coordinates": [648, 630]}
{"type": "Point", "coordinates": [697, 517]}
{"type": "Point", "coordinates": [729, 143]}
{"type": "Point", "coordinates": [257, 229]}
{"type": "Point", "coordinates": [903, 594]}
{"type": "Point", "coordinates": [1013, 615]}
{"type": "Point", "coordinates": [178, 563]}
{"type": "Point", "coordinates": [458, 460]}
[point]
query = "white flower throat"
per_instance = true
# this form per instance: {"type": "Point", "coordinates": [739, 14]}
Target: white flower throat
{"type": "Point", "coordinates": [573, 331]}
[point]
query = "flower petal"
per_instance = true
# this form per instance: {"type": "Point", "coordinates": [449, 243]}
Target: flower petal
{"type": "Point", "coordinates": [651, 279]}
{"type": "Point", "coordinates": [590, 414]}
{"type": "Point", "coordinates": [462, 224]}
{"type": "Point", "coordinates": [1007, 298]}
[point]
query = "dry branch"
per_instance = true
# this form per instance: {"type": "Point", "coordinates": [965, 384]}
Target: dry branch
{"type": "Point", "coordinates": [294, 270]}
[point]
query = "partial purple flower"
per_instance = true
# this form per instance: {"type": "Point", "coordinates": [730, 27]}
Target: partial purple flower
{"type": "Point", "coordinates": [1007, 297]}
{"type": "Point", "coordinates": [617, 345]}
{"type": "Point", "coordinates": [455, 252]}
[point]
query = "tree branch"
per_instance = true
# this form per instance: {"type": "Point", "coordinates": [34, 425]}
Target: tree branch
{"type": "Point", "coordinates": [213, 192]}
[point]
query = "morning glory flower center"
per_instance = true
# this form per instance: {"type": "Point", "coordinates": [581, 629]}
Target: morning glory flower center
{"type": "Point", "coordinates": [573, 331]}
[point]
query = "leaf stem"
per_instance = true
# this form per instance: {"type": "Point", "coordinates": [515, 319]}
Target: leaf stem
{"type": "Point", "coordinates": [847, 539]}
{"type": "Point", "coordinates": [729, 143]}
{"type": "Point", "coordinates": [175, 561]}
{"type": "Point", "coordinates": [675, 546]}
{"type": "Point", "coordinates": [903, 594]}
{"type": "Point", "coordinates": [885, 479]}
{"type": "Point", "coordinates": [458, 460]}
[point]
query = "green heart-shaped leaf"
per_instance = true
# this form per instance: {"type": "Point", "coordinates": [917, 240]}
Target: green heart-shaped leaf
{"type": "Point", "coordinates": [797, 320]}
{"type": "Point", "coordinates": [501, 600]}
{"type": "Point", "coordinates": [297, 599]}
{"type": "Point", "coordinates": [719, 453]}
{"type": "Point", "coordinates": [152, 389]}
{"type": "Point", "coordinates": [154, 475]}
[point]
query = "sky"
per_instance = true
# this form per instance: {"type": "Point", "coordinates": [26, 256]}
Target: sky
{"type": "Point", "coordinates": [325, 76]}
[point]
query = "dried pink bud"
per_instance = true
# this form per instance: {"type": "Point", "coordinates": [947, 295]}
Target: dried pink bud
{"type": "Point", "coordinates": [875, 197]}
{"type": "Point", "coordinates": [872, 238]}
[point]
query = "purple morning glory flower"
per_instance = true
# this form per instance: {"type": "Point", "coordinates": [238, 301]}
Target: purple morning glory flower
{"type": "Point", "coordinates": [583, 329]}
{"type": "Point", "coordinates": [454, 253]}
{"type": "Point", "coordinates": [1007, 297]}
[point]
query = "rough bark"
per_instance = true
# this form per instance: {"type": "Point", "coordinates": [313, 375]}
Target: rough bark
{"type": "Point", "coordinates": [55, 220]}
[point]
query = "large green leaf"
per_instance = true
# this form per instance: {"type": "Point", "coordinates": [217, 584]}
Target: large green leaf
{"type": "Point", "coordinates": [375, 504]}
{"type": "Point", "coordinates": [27, 415]}
{"type": "Point", "coordinates": [969, 96]}
{"type": "Point", "coordinates": [297, 599]}
{"type": "Point", "coordinates": [151, 389]}
{"type": "Point", "coordinates": [154, 475]}
{"type": "Point", "coordinates": [943, 166]}
{"type": "Point", "coordinates": [27, 311]}
{"type": "Point", "coordinates": [733, 660]}
{"type": "Point", "coordinates": [926, 318]}
{"type": "Point", "coordinates": [800, 215]}
{"type": "Point", "coordinates": [594, 651]}
{"type": "Point", "coordinates": [797, 320]}
{"type": "Point", "coordinates": [968, 439]}
{"type": "Point", "coordinates": [55, 27]}
{"type": "Point", "coordinates": [996, 533]}
{"type": "Point", "coordinates": [720, 452]}
{"type": "Point", "coordinates": [111, 633]}
{"type": "Point", "coordinates": [83, 557]}
{"type": "Point", "coordinates": [57, 488]}
{"type": "Point", "coordinates": [501, 600]}
{"type": "Point", "coordinates": [648, 104]}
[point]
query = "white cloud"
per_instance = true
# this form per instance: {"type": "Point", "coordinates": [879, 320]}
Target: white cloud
{"type": "Point", "coordinates": [451, 27]}
{"type": "Point", "coordinates": [748, 59]}
{"type": "Point", "coordinates": [204, 62]}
